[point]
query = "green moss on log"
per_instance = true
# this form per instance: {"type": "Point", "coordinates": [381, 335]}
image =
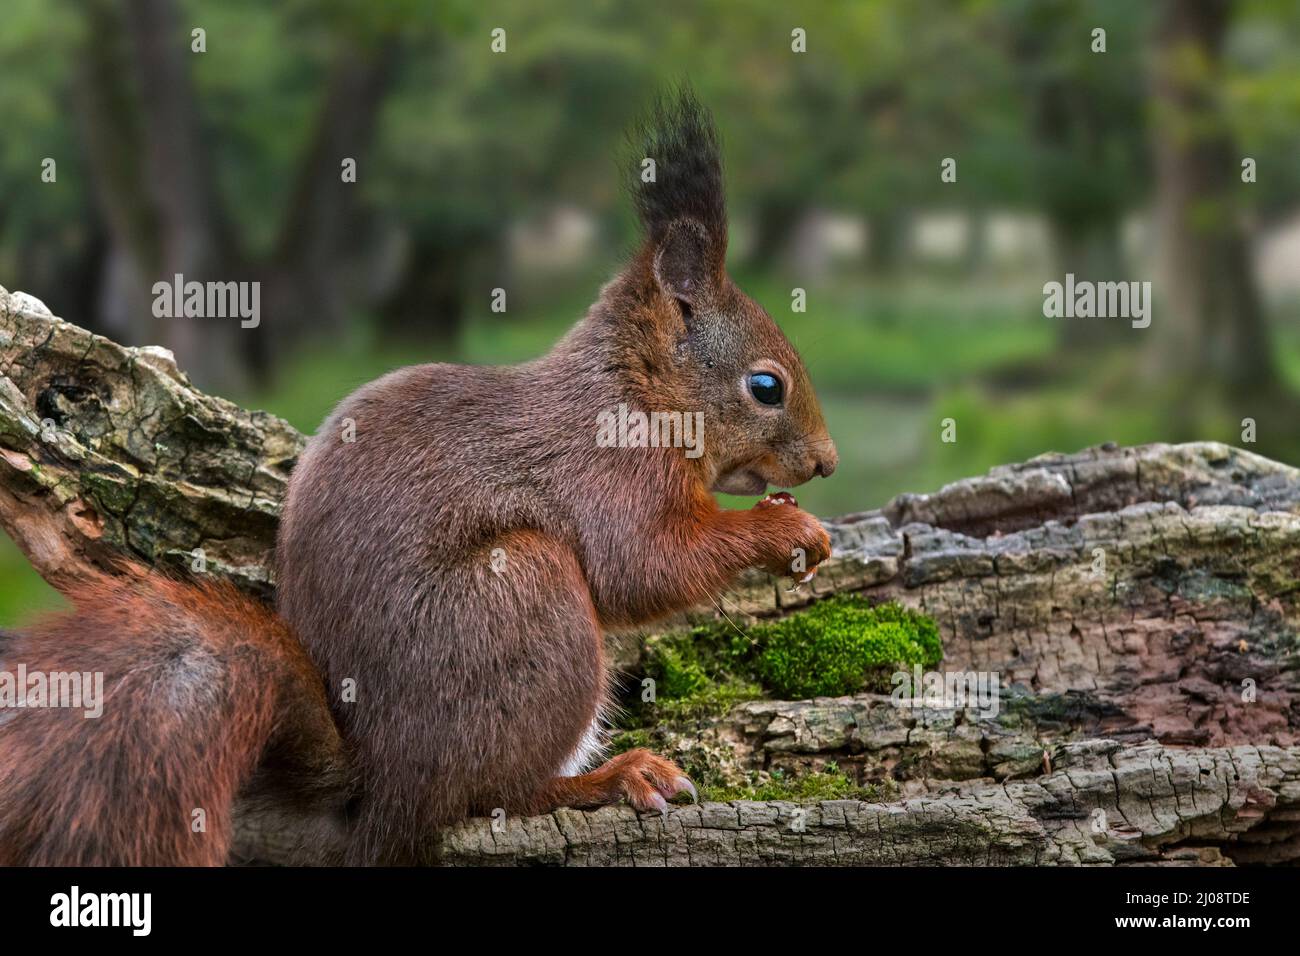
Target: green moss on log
{"type": "Point", "coordinates": [838, 646]}
{"type": "Point", "coordinates": [843, 645]}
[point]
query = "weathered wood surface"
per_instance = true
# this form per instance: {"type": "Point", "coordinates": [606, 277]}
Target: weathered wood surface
{"type": "Point", "coordinates": [1107, 803]}
{"type": "Point", "coordinates": [107, 450]}
{"type": "Point", "coordinates": [1163, 581]}
{"type": "Point", "coordinates": [1140, 605]}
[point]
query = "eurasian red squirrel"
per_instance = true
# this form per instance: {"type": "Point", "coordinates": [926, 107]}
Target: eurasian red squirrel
{"type": "Point", "coordinates": [454, 543]}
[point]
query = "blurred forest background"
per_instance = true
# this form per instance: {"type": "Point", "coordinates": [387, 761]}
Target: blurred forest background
{"type": "Point", "coordinates": [479, 169]}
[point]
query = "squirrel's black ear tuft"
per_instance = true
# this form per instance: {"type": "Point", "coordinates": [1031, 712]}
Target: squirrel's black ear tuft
{"type": "Point", "coordinates": [685, 182]}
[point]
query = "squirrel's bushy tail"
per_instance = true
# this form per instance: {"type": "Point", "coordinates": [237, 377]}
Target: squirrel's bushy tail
{"type": "Point", "coordinates": [168, 695]}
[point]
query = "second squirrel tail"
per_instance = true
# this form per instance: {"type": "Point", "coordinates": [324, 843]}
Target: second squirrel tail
{"type": "Point", "coordinates": [131, 723]}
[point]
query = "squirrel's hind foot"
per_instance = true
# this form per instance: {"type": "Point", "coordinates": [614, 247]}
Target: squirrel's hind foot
{"type": "Point", "coordinates": [645, 780]}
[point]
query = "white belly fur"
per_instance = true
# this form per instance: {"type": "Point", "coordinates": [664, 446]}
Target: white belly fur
{"type": "Point", "coordinates": [589, 750]}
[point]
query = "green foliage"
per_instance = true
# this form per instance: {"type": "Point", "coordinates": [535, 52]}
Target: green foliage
{"type": "Point", "coordinates": [680, 673]}
{"type": "Point", "coordinates": [1076, 409]}
{"type": "Point", "coordinates": [838, 646]}
{"type": "Point", "coordinates": [907, 336]}
{"type": "Point", "coordinates": [830, 783]}
{"type": "Point", "coordinates": [685, 688]}
{"type": "Point", "coordinates": [626, 740]}
{"type": "Point", "coordinates": [23, 595]}
{"type": "Point", "coordinates": [700, 673]}
{"type": "Point", "coordinates": [710, 700]}
{"type": "Point", "coordinates": [842, 645]}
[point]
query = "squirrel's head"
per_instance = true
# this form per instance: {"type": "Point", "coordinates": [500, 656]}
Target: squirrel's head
{"type": "Point", "coordinates": [698, 343]}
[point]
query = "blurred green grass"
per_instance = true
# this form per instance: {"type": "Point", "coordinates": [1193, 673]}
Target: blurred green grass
{"type": "Point", "coordinates": [890, 362]}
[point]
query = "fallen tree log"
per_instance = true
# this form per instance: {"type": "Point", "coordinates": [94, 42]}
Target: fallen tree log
{"type": "Point", "coordinates": [1138, 604]}
{"type": "Point", "coordinates": [1107, 804]}
{"type": "Point", "coordinates": [108, 451]}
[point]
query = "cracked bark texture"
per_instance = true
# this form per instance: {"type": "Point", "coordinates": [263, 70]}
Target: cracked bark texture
{"type": "Point", "coordinates": [1140, 605]}
{"type": "Point", "coordinates": [108, 451]}
{"type": "Point", "coordinates": [1107, 803]}
{"type": "Point", "coordinates": [1159, 580]}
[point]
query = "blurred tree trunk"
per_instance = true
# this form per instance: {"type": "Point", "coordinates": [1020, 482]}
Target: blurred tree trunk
{"type": "Point", "coordinates": [1212, 324]}
{"type": "Point", "coordinates": [109, 124]}
{"type": "Point", "coordinates": [429, 302]}
{"type": "Point", "coordinates": [1091, 252]}
{"type": "Point", "coordinates": [886, 240]}
{"type": "Point", "coordinates": [444, 268]}
{"type": "Point", "coordinates": [303, 287]}
{"type": "Point", "coordinates": [1087, 150]}
{"type": "Point", "coordinates": [774, 224]}
{"type": "Point", "coordinates": [975, 255]}
{"type": "Point", "coordinates": [1084, 227]}
{"type": "Point", "coordinates": [194, 239]}
{"type": "Point", "coordinates": [159, 196]}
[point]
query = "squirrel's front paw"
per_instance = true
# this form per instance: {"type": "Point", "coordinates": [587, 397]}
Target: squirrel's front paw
{"type": "Point", "coordinates": [802, 542]}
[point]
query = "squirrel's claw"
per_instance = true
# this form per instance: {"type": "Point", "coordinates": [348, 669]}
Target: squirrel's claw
{"type": "Point", "coordinates": [804, 578]}
{"type": "Point", "coordinates": [657, 802]}
{"type": "Point", "coordinates": [649, 782]}
{"type": "Point", "coordinates": [676, 786]}
{"type": "Point", "coordinates": [797, 582]}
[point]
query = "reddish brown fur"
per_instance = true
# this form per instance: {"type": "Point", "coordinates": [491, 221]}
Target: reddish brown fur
{"type": "Point", "coordinates": [473, 685]}
{"type": "Point", "coordinates": [199, 683]}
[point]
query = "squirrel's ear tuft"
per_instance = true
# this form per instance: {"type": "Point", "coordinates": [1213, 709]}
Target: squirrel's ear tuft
{"type": "Point", "coordinates": [682, 182]}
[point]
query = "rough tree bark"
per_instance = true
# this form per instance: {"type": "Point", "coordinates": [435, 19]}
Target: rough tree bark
{"type": "Point", "coordinates": [1140, 605]}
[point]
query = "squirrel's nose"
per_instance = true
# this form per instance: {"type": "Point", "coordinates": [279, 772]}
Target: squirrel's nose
{"type": "Point", "coordinates": [826, 462]}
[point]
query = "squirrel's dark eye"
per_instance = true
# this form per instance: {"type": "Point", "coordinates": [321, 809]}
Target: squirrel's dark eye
{"type": "Point", "coordinates": [766, 388]}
